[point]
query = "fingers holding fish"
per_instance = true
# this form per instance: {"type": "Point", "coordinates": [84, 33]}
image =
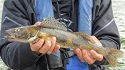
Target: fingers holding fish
{"type": "Point", "coordinates": [96, 56]}
{"type": "Point", "coordinates": [37, 23]}
{"type": "Point", "coordinates": [56, 48]}
{"type": "Point", "coordinates": [49, 46]}
{"type": "Point", "coordinates": [88, 56]}
{"type": "Point", "coordinates": [53, 43]}
{"type": "Point", "coordinates": [45, 47]}
{"type": "Point", "coordinates": [79, 54]}
{"type": "Point", "coordinates": [84, 56]}
{"type": "Point", "coordinates": [96, 40]}
{"type": "Point", "coordinates": [35, 47]}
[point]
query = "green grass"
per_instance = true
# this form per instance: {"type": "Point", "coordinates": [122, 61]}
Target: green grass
{"type": "Point", "coordinates": [122, 31]}
{"type": "Point", "coordinates": [122, 40]}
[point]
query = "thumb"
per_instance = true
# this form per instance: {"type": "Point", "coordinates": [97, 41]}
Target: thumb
{"type": "Point", "coordinates": [37, 23]}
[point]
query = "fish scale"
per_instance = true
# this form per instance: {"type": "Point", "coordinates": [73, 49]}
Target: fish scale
{"type": "Point", "coordinates": [51, 27]}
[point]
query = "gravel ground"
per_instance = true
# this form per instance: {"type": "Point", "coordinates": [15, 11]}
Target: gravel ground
{"type": "Point", "coordinates": [119, 16]}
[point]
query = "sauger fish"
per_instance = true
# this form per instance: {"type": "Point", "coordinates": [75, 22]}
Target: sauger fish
{"type": "Point", "coordinates": [51, 27]}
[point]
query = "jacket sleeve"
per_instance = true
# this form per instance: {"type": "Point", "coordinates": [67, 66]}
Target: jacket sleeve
{"type": "Point", "coordinates": [104, 27]}
{"type": "Point", "coordinates": [15, 55]}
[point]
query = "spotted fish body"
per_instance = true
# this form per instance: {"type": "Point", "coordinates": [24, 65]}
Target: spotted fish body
{"type": "Point", "coordinates": [51, 27]}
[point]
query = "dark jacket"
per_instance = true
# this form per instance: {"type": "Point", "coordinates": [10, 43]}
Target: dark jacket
{"type": "Point", "coordinates": [17, 55]}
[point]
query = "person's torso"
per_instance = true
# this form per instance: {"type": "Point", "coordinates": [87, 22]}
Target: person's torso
{"type": "Point", "coordinates": [66, 13]}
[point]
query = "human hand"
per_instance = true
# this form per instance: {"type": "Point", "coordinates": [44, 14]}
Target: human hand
{"type": "Point", "coordinates": [45, 46]}
{"type": "Point", "coordinates": [89, 56]}
{"type": "Point", "coordinates": [38, 23]}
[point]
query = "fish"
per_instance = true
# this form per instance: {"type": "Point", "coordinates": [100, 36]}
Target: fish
{"type": "Point", "coordinates": [51, 27]}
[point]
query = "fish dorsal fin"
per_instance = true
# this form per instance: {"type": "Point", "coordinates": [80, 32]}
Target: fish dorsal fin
{"type": "Point", "coordinates": [52, 22]}
{"type": "Point", "coordinates": [85, 35]}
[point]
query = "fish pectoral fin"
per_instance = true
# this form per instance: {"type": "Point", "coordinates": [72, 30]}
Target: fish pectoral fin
{"type": "Point", "coordinates": [85, 35]}
{"type": "Point", "coordinates": [35, 41]}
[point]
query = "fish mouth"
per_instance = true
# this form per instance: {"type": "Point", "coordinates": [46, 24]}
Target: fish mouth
{"type": "Point", "coordinates": [11, 35]}
{"type": "Point", "coordinates": [13, 38]}
{"type": "Point", "coordinates": [10, 38]}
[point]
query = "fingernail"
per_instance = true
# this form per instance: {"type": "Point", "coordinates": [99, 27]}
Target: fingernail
{"type": "Point", "coordinates": [54, 38]}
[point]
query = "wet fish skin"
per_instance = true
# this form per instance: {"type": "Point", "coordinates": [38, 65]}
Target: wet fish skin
{"type": "Point", "coordinates": [29, 34]}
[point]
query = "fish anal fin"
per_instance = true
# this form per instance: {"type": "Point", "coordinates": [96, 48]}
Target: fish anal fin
{"type": "Point", "coordinates": [86, 36]}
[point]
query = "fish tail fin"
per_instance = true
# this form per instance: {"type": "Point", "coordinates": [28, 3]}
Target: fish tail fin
{"type": "Point", "coordinates": [112, 56]}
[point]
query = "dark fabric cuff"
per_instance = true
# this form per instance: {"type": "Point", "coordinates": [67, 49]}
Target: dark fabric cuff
{"type": "Point", "coordinates": [103, 62]}
{"type": "Point", "coordinates": [28, 53]}
{"type": "Point", "coordinates": [105, 43]}
{"type": "Point", "coordinates": [110, 44]}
